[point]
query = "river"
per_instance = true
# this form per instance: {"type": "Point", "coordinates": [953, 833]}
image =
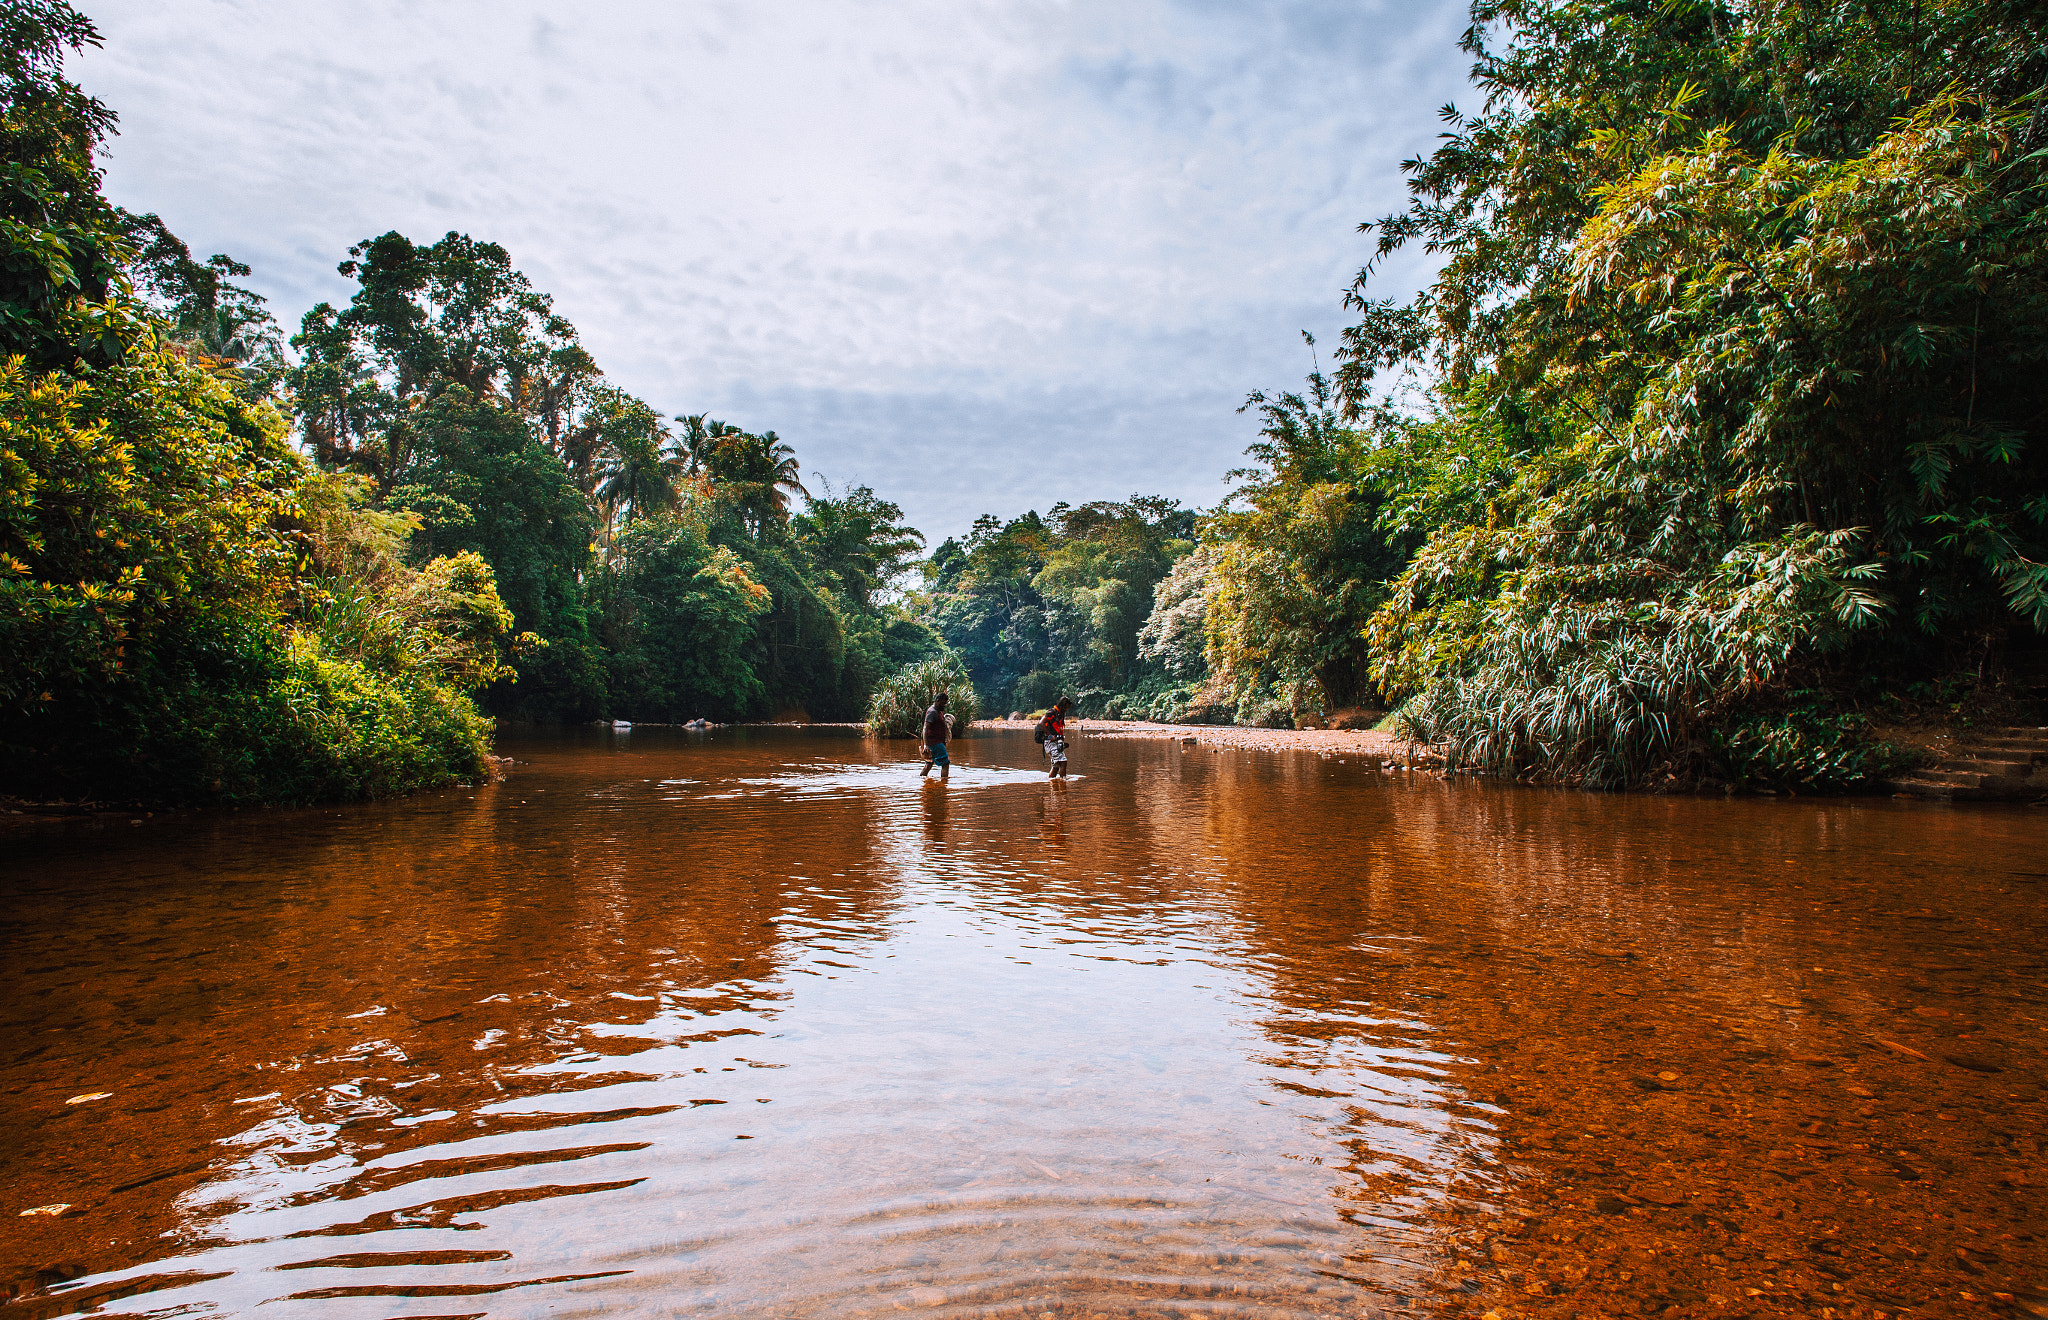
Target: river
{"type": "Point", "coordinates": [755, 1023]}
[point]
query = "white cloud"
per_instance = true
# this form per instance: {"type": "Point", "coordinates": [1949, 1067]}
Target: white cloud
{"type": "Point", "coordinates": [979, 256]}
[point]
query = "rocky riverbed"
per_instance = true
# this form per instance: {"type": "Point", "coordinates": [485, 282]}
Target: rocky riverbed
{"type": "Point", "coordinates": [1361, 743]}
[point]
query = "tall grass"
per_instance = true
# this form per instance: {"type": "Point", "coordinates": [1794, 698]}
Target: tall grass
{"type": "Point", "coordinates": [898, 705]}
{"type": "Point", "coordinates": [1606, 693]}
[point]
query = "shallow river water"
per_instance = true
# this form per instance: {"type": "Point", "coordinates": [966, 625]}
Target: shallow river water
{"type": "Point", "coordinates": [755, 1023]}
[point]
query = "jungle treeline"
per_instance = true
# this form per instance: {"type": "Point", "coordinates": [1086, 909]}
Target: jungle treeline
{"type": "Point", "coordinates": [1705, 450]}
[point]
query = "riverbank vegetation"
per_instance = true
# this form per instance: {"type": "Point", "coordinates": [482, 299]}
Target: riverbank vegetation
{"type": "Point", "coordinates": [1706, 451]}
{"type": "Point", "coordinates": [897, 708]}
{"type": "Point", "coordinates": [1732, 369]}
{"type": "Point", "coordinates": [1710, 445]}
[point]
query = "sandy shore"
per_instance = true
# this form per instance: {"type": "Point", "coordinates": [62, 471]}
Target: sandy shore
{"type": "Point", "coordinates": [1329, 742]}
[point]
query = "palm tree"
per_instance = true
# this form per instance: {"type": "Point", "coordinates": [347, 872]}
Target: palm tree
{"type": "Point", "coordinates": [783, 474]}
{"type": "Point", "coordinates": [757, 472]}
{"type": "Point", "coordinates": [640, 476]}
{"type": "Point", "coordinates": [693, 445]}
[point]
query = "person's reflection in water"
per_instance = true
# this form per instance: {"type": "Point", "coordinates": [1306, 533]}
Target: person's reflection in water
{"type": "Point", "coordinates": [1052, 817]}
{"type": "Point", "coordinates": [935, 810]}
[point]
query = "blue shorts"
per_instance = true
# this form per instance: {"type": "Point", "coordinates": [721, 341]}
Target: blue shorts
{"type": "Point", "coordinates": [937, 753]}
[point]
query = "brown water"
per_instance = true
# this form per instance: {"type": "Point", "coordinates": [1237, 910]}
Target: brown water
{"type": "Point", "coordinates": [755, 1023]}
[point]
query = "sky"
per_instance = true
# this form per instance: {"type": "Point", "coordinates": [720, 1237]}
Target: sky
{"type": "Point", "coordinates": [980, 257]}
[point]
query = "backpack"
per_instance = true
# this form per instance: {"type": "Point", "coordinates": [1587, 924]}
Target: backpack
{"type": "Point", "coordinates": [1038, 733]}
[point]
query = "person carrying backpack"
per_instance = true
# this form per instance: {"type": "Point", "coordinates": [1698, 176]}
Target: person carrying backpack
{"type": "Point", "coordinates": [1051, 734]}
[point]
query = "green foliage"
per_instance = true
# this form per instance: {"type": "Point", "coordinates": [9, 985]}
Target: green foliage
{"type": "Point", "coordinates": [62, 288]}
{"type": "Point", "coordinates": [456, 388]}
{"type": "Point", "coordinates": [1175, 634]}
{"type": "Point", "coordinates": [1038, 690]}
{"type": "Point", "coordinates": [171, 642]}
{"type": "Point", "coordinates": [679, 624]}
{"type": "Point", "coordinates": [222, 710]}
{"type": "Point", "coordinates": [663, 574]}
{"type": "Point", "coordinates": [522, 514]}
{"type": "Point", "coordinates": [1067, 594]}
{"type": "Point", "coordinates": [187, 614]}
{"type": "Point", "coordinates": [1604, 691]}
{"type": "Point", "coordinates": [1809, 745]}
{"type": "Point", "coordinates": [898, 705]}
{"type": "Point", "coordinates": [131, 498]}
{"type": "Point", "coordinates": [1749, 311]}
{"type": "Point", "coordinates": [1299, 569]}
{"type": "Point", "coordinates": [347, 730]}
{"type": "Point", "coordinates": [755, 474]}
{"type": "Point", "coordinates": [365, 602]}
{"type": "Point", "coordinates": [860, 540]}
{"type": "Point", "coordinates": [204, 312]}
{"type": "Point", "coordinates": [638, 473]}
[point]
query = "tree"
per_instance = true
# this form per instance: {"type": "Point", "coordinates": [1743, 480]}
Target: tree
{"type": "Point", "coordinates": [223, 323]}
{"type": "Point", "coordinates": [639, 472]}
{"type": "Point", "coordinates": [1302, 564]}
{"type": "Point", "coordinates": [424, 319]}
{"type": "Point", "coordinates": [680, 623]}
{"type": "Point", "coordinates": [455, 386]}
{"type": "Point", "coordinates": [860, 539]}
{"type": "Point", "coordinates": [62, 249]}
{"type": "Point", "coordinates": [1057, 599]}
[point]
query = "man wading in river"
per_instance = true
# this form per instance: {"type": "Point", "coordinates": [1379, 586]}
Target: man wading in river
{"type": "Point", "coordinates": [938, 727]}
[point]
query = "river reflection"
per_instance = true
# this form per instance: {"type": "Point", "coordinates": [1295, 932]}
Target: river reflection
{"type": "Point", "coordinates": [757, 1023]}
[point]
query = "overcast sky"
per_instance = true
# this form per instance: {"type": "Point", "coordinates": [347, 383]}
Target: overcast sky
{"type": "Point", "coordinates": [981, 257]}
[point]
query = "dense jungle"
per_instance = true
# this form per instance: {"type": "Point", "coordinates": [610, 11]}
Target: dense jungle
{"type": "Point", "coordinates": [1705, 455]}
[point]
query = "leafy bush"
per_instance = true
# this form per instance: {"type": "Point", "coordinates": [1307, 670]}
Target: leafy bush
{"type": "Point", "coordinates": [1807, 747]}
{"type": "Point", "coordinates": [1265, 713]}
{"type": "Point", "coordinates": [1093, 704]}
{"type": "Point", "coordinates": [1170, 706]}
{"type": "Point", "coordinates": [130, 498]}
{"type": "Point", "coordinates": [365, 602]}
{"type": "Point", "coordinates": [897, 708]}
{"type": "Point", "coordinates": [353, 731]}
{"type": "Point", "coordinates": [191, 616]}
{"type": "Point", "coordinates": [228, 712]}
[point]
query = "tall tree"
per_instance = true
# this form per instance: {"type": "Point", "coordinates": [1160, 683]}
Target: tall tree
{"type": "Point", "coordinates": [62, 250]}
{"type": "Point", "coordinates": [226, 323]}
{"type": "Point", "coordinates": [640, 471]}
{"type": "Point", "coordinates": [860, 539]}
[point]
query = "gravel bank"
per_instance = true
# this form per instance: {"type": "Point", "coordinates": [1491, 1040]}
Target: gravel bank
{"type": "Point", "coordinates": [1329, 742]}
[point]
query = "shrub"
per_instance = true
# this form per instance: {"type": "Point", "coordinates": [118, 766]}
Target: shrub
{"type": "Point", "coordinates": [1808, 747]}
{"type": "Point", "coordinates": [1170, 706]}
{"type": "Point", "coordinates": [191, 616]}
{"type": "Point", "coordinates": [229, 712]}
{"type": "Point", "coordinates": [353, 731]}
{"type": "Point", "coordinates": [897, 708]}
